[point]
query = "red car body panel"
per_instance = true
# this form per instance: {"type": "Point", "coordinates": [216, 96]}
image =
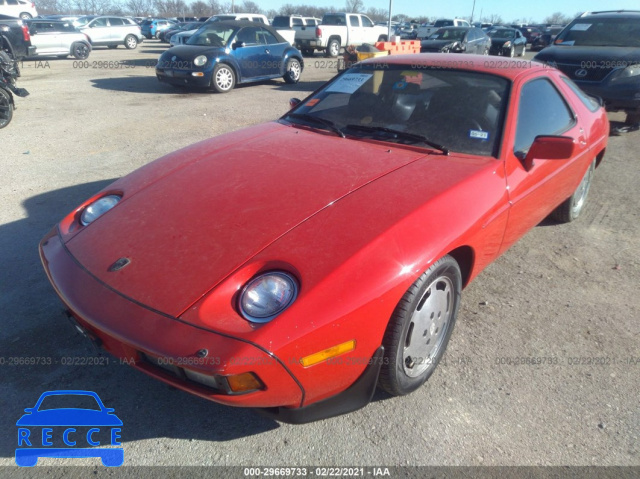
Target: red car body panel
{"type": "Point", "coordinates": [355, 221]}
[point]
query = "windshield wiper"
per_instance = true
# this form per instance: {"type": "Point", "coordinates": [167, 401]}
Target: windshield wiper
{"type": "Point", "coordinates": [399, 134]}
{"type": "Point", "coordinates": [319, 121]}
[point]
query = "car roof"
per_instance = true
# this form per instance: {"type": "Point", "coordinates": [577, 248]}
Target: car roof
{"type": "Point", "coordinates": [611, 14]}
{"type": "Point", "coordinates": [435, 59]}
{"type": "Point", "coordinates": [248, 23]}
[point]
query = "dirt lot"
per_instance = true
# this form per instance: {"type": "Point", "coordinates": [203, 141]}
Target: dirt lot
{"type": "Point", "coordinates": [567, 294]}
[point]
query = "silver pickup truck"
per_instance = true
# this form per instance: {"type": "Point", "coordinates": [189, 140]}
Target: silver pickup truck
{"type": "Point", "coordinates": [339, 30]}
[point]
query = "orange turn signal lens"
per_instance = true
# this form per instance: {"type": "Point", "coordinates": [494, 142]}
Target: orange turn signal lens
{"type": "Point", "coordinates": [239, 383]}
{"type": "Point", "coordinates": [328, 353]}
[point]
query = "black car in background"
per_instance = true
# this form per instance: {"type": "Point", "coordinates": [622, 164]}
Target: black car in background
{"type": "Point", "coordinates": [530, 33]}
{"type": "Point", "coordinates": [547, 37]}
{"type": "Point", "coordinates": [507, 42]}
{"type": "Point", "coordinates": [600, 52]}
{"type": "Point", "coordinates": [457, 40]}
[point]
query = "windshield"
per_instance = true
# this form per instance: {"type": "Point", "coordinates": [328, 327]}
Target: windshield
{"type": "Point", "coordinates": [602, 32]}
{"type": "Point", "coordinates": [411, 104]}
{"type": "Point", "coordinates": [211, 35]}
{"type": "Point", "coordinates": [82, 21]}
{"type": "Point", "coordinates": [448, 34]}
{"type": "Point", "coordinates": [502, 33]}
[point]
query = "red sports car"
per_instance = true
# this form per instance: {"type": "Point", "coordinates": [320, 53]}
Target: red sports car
{"type": "Point", "coordinates": [295, 265]}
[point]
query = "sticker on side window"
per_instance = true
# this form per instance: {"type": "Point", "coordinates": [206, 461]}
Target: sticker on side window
{"type": "Point", "coordinates": [349, 82]}
{"type": "Point", "coordinates": [479, 134]}
{"type": "Point", "coordinates": [581, 27]}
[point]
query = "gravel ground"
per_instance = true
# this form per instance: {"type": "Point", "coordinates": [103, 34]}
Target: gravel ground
{"type": "Point", "coordinates": [567, 293]}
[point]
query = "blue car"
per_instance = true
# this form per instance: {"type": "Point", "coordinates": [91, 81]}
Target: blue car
{"type": "Point", "coordinates": [151, 28]}
{"type": "Point", "coordinates": [222, 54]}
{"type": "Point", "coordinates": [92, 413]}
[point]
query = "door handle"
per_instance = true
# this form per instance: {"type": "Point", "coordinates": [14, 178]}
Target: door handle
{"type": "Point", "coordinates": [266, 50]}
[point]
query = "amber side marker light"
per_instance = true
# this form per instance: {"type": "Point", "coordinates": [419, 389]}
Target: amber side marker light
{"type": "Point", "coordinates": [328, 353]}
{"type": "Point", "coordinates": [244, 382]}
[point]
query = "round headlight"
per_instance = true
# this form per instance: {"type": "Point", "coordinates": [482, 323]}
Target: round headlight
{"type": "Point", "coordinates": [267, 295]}
{"type": "Point", "coordinates": [200, 60]}
{"type": "Point", "coordinates": [98, 208]}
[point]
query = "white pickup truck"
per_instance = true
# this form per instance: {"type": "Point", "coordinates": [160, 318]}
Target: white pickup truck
{"type": "Point", "coordinates": [339, 30]}
{"type": "Point", "coordinates": [427, 30]}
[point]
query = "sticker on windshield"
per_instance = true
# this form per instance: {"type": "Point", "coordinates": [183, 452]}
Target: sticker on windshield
{"type": "Point", "coordinates": [349, 82]}
{"type": "Point", "coordinates": [479, 134]}
{"type": "Point", "coordinates": [581, 27]}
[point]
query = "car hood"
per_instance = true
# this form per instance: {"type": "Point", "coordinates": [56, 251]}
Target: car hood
{"type": "Point", "coordinates": [190, 219]}
{"type": "Point", "coordinates": [189, 52]}
{"type": "Point", "coordinates": [500, 41]}
{"type": "Point", "coordinates": [579, 54]}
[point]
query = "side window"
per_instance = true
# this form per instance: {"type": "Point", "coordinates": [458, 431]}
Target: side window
{"type": "Point", "coordinates": [297, 22]}
{"type": "Point", "coordinates": [12, 2]}
{"type": "Point", "coordinates": [248, 35]}
{"type": "Point", "coordinates": [266, 37]}
{"type": "Point", "coordinates": [590, 102]}
{"type": "Point", "coordinates": [116, 22]}
{"type": "Point", "coordinates": [353, 21]}
{"type": "Point", "coordinates": [471, 35]}
{"type": "Point", "coordinates": [542, 111]}
{"type": "Point", "coordinates": [99, 22]}
{"type": "Point", "coordinates": [366, 22]}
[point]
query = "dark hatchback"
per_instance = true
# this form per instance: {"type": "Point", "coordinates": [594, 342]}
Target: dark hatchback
{"type": "Point", "coordinates": [223, 53]}
{"type": "Point", "coordinates": [600, 52]}
{"type": "Point", "coordinates": [457, 40]}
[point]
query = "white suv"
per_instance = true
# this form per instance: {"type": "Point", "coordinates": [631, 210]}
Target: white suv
{"type": "Point", "coordinates": [24, 9]}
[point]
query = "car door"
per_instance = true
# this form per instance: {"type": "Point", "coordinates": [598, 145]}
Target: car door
{"type": "Point", "coordinates": [44, 38]}
{"type": "Point", "coordinates": [520, 42]}
{"type": "Point", "coordinates": [274, 53]}
{"type": "Point", "coordinates": [355, 30]}
{"type": "Point", "coordinates": [470, 42]}
{"type": "Point", "coordinates": [250, 52]}
{"type": "Point", "coordinates": [98, 30]}
{"type": "Point", "coordinates": [541, 110]}
{"type": "Point", "coordinates": [116, 29]}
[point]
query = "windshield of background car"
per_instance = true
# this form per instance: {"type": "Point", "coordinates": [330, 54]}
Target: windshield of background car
{"type": "Point", "coordinates": [65, 401]}
{"type": "Point", "coordinates": [280, 22]}
{"type": "Point", "coordinates": [601, 32]}
{"type": "Point", "coordinates": [457, 109]}
{"type": "Point", "coordinates": [448, 34]}
{"type": "Point", "coordinates": [502, 33]}
{"type": "Point", "coordinates": [82, 21]}
{"type": "Point", "coordinates": [212, 35]}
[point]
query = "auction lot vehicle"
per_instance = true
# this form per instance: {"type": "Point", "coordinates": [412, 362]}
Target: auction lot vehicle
{"type": "Point", "coordinates": [110, 31]}
{"type": "Point", "coordinates": [339, 30]}
{"type": "Point", "coordinates": [223, 53]}
{"type": "Point", "coordinates": [424, 32]}
{"type": "Point", "coordinates": [15, 38]}
{"type": "Point", "coordinates": [58, 38]}
{"type": "Point", "coordinates": [600, 52]}
{"type": "Point", "coordinates": [23, 9]}
{"type": "Point", "coordinates": [507, 42]}
{"type": "Point", "coordinates": [294, 280]}
{"type": "Point", "coordinates": [457, 40]}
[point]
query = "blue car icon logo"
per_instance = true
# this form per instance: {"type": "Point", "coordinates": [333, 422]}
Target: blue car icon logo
{"type": "Point", "coordinates": [69, 424]}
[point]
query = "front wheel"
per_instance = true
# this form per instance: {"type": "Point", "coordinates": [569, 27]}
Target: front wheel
{"type": "Point", "coordinates": [26, 16]}
{"type": "Point", "coordinates": [420, 327]}
{"type": "Point", "coordinates": [524, 50]}
{"type": "Point", "coordinates": [573, 206]}
{"type": "Point", "coordinates": [512, 52]}
{"type": "Point", "coordinates": [293, 71]}
{"type": "Point", "coordinates": [333, 48]}
{"type": "Point", "coordinates": [80, 51]}
{"type": "Point", "coordinates": [6, 108]}
{"type": "Point", "coordinates": [224, 79]}
{"type": "Point", "coordinates": [130, 42]}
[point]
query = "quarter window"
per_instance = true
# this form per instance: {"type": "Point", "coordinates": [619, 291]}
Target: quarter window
{"type": "Point", "coordinates": [542, 111]}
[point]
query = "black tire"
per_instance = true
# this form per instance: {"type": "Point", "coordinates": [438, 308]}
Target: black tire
{"type": "Point", "coordinates": [80, 51]}
{"type": "Point", "coordinates": [333, 48]}
{"type": "Point", "coordinates": [382, 38]}
{"type": "Point", "coordinates": [633, 118]}
{"type": "Point", "coordinates": [307, 52]}
{"type": "Point", "coordinates": [292, 71]}
{"type": "Point", "coordinates": [571, 208]}
{"type": "Point", "coordinates": [6, 108]}
{"type": "Point", "coordinates": [131, 42]}
{"type": "Point", "coordinates": [512, 52]}
{"type": "Point", "coordinates": [524, 50]}
{"type": "Point", "coordinates": [223, 79]}
{"type": "Point", "coordinates": [432, 302]}
{"type": "Point", "coordinates": [25, 16]}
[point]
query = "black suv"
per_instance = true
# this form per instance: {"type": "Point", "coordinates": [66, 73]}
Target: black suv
{"type": "Point", "coordinates": [600, 51]}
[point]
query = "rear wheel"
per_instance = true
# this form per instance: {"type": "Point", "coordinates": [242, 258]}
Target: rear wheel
{"type": "Point", "coordinates": [420, 327]}
{"type": "Point", "coordinates": [224, 79]}
{"type": "Point", "coordinates": [573, 206]}
{"type": "Point", "coordinates": [333, 48]}
{"type": "Point", "coordinates": [80, 50]}
{"type": "Point", "coordinates": [25, 16]}
{"type": "Point", "coordinates": [130, 42]}
{"type": "Point", "coordinates": [6, 108]}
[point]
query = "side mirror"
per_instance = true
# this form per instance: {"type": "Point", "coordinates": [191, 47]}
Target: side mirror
{"type": "Point", "coordinates": [294, 102]}
{"type": "Point", "coordinates": [237, 45]}
{"type": "Point", "coordinates": [549, 148]}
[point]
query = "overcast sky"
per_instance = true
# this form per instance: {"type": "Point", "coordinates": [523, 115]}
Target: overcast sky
{"type": "Point", "coordinates": [537, 10]}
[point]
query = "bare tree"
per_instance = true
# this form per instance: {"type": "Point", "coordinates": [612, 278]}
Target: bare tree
{"type": "Point", "coordinates": [249, 6]}
{"type": "Point", "coordinates": [378, 14]}
{"type": "Point", "coordinates": [493, 18]}
{"type": "Point", "coordinates": [558, 18]}
{"type": "Point", "coordinates": [214, 7]}
{"type": "Point", "coordinates": [354, 6]}
{"type": "Point", "coordinates": [139, 8]}
{"type": "Point", "coordinates": [199, 9]}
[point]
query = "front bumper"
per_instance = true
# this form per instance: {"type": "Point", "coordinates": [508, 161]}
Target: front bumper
{"type": "Point", "coordinates": [135, 333]}
{"type": "Point", "coordinates": [183, 77]}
